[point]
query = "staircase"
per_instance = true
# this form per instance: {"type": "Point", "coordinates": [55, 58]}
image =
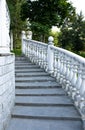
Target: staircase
{"type": "Point", "coordinates": [41, 103]}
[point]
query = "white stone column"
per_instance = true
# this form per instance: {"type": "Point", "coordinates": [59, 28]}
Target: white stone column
{"type": "Point", "coordinates": [4, 28]}
{"type": "Point", "coordinates": [23, 37]}
{"type": "Point", "coordinates": [50, 55]}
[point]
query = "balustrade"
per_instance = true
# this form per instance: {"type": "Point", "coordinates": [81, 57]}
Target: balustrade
{"type": "Point", "coordinates": [67, 67]}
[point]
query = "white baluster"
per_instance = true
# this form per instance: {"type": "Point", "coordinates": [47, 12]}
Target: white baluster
{"type": "Point", "coordinates": [62, 70]}
{"type": "Point", "coordinates": [81, 101]}
{"type": "Point", "coordinates": [67, 75]}
{"type": "Point", "coordinates": [45, 63]}
{"type": "Point", "coordinates": [82, 87]}
{"type": "Point", "coordinates": [64, 74]}
{"type": "Point", "coordinates": [72, 88]}
{"type": "Point", "coordinates": [58, 69]}
{"type": "Point", "coordinates": [45, 58]}
{"type": "Point", "coordinates": [55, 63]}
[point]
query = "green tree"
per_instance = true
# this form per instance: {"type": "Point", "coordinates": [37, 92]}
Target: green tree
{"type": "Point", "coordinates": [55, 35]}
{"type": "Point", "coordinates": [17, 25]}
{"type": "Point", "coordinates": [72, 34]}
{"type": "Point", "coordinates": [46, 13]}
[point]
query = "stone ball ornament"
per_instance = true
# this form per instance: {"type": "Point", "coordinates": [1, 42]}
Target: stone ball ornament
{"type": "Point", "coordinates": [50, 40]}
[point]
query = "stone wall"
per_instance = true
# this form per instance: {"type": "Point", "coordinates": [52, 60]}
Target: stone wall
{"type": "Point", "coordinates": [7, 88]}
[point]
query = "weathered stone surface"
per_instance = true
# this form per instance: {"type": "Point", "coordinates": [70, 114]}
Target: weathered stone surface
{"type": "Point", "coordinates": [37, 84]}
{"type": "Point", "coordinates": [55, 91]}
{"type": "Point", "coordinates": [7, 88]}
{"type": "Point", "coordinates": [58, 100]}
{"type": "Point", "coordinates": [29, 124]}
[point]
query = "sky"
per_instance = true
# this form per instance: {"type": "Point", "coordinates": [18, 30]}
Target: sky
{"type": "Point", "coordinates": [80, 6]}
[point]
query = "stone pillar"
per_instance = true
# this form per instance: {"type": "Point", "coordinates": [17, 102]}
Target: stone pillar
{"type": "Point", "coordinates": [23, 45]}
{"type": "Point", "coordinates": [29, 35]}
{"type": "Point", "coordinates": [4, 28]}
{"type": "Point", "coordinates": [50, 55]}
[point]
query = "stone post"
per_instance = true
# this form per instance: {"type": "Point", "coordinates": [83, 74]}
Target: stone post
{"type": "Point", "coordinates": [50, 55]}
{"type": "Point", "coordinates": [23, 37]}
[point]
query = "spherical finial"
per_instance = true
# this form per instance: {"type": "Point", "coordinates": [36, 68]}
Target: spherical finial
{"type": "Point", "coordinates": [23, 32]}
{"type": "Point", "coordinates": [50, 40]}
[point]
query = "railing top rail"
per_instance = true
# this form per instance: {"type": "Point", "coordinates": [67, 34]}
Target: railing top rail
{"type": "Point", "coordinates": [37, 42]}
{"type": "Point", "coordinates": [70, 54]}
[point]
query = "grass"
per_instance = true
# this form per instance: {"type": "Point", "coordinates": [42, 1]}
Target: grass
{"type": "Point", "coordinates": [82, 53]}
{"type": "Point", "coordinates": [17, 52]}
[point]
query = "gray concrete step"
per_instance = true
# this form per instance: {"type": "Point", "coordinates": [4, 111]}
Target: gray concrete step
{"type": "Point", "coordinates": [29, 70]}
{"type": "Point", "coordinates": [45, 100]}
{"type": "Point", "coordinates": [44, 84]}
{"type": "Point", "coordinates": [22, 63]}
{"type": "Point", "coordinates": [27, 66]}
{"type": "Point", "coordinates": [34, 79]}
{"type": "Point", "coordinates": [31, 74]}
{"type": "Point", "coordinates": [57, 91]}
{"type": "Point", "coordinates": [37, 124]}
{"type": "Point", "coordinates": [47, 112]}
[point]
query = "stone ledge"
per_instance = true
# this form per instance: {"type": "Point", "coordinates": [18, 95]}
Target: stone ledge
{"type": "Point", "coordinates": [6, 54]}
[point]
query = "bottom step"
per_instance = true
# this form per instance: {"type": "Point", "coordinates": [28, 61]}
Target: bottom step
{"type": "Point", "coordinates": [32, 124]}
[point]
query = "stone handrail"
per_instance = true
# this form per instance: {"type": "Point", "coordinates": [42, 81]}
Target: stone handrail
{"type": "Point", "coordinates": [67, 68]}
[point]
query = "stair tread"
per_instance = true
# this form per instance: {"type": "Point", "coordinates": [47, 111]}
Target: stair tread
{"type": "Point", "coordinates": [42, 99]}
{"type": "Point", "coordinates": [31, 74]}
{"type": "Point", "coordinates": [69, 112]}
{"type": "Point", "coordinates": [29, 69]}
{"type": "Point", "coordinates": [29, 124]}
{"type": "Point", "coordinates": [36, 84]}
{"type": "Point", "coordinates": [39, 78]}
{"type": "Point", "coordinates": [41, 91]}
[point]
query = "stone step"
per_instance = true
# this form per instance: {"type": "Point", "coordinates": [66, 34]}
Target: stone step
{"type": "Point", "coordinates": [34, 79]}
{"type": "Point", "coordinates": [42, 100]}
{"type": "Point", "coordinates": [20, 58]}
{"type": "Point", "coordinates": [41, 92]}
{"type": "Point", "coordinates": [32, 85]}
{"type": "Point", "coordinates": [29, 70]}
{"type": "Point", "coordinates": [54, 113]}
{"type": "Point", "coordinates": [26, 67]}
{"type": "Point", "coordinates": [37, 124]}
{"type": "Point", "coordinates": [23, 63]}
{"type": "Point", "coordinates": [31, 74]}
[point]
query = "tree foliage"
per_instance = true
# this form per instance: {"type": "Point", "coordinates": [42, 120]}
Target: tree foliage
{"type": "Point", "coordinates": [72, 35]}
{"type": "Point", "coordinates": [46, 13]}
{"type": "Point", "coordinates": [17, 25]}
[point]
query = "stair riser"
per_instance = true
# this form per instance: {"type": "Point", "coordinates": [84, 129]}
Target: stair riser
{"type": "Point", "coordinates": [40, 95]}
{"type": "Point", "coordinates": [43, 105]}
{"type": "Point", "coordinates": [37, 87]}
{"type": "Point", "coordinates": [45, 118]}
